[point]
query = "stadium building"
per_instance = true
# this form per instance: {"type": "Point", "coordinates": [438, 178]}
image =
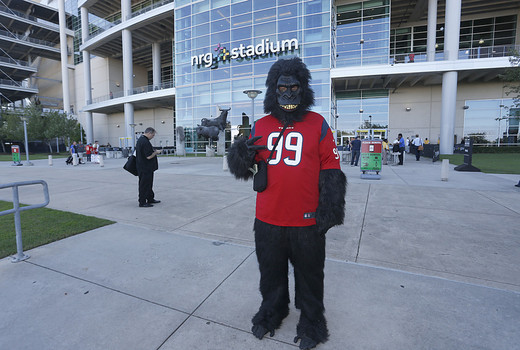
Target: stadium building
{"type": "Point", "coordinates": [379, 67]}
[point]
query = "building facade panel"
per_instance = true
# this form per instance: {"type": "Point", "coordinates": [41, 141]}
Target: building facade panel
{"type": "Point", "coordinates": [386, 83]}
{"type": "Point", "coordinates": [223, 49]}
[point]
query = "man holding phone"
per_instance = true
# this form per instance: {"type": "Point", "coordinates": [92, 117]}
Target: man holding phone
{"type": "Point", "coordinates": [146, 159]}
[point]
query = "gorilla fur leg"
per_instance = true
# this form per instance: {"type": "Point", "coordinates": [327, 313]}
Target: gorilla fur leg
{"type": "Point", "coordinates": [308, 259]}
{"type": "Point", "coordinates": [311, 333]}
{"type": "Point", "coordinates": [271, 251]}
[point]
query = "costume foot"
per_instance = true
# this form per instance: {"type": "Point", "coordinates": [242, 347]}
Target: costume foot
{"type": "Point", "coordinates": [267, 321]}
{"type": "Point", "coordinates": [306, 343]}
{"type": "Point", "coordinates": [259, 331]}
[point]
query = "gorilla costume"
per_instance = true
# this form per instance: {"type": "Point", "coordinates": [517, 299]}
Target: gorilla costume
{"type": "Point", "coordinates": [304, 197]}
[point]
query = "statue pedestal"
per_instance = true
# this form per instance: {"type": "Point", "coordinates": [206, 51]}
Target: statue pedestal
{"type": "Point", "coordinates": [180, 150]}
{"type": "Point", "coordinates": [221, 143]}
{"type": "Point", "coordinates": [210, 152]}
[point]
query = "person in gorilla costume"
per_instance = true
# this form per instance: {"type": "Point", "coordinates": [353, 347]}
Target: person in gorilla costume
{"type": "Point", "coordinates": [304, 197]}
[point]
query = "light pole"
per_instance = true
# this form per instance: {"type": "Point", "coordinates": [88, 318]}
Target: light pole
{"type": "Point", "coordinates": [499, 136]}
{"type": "Point", "coordinates": [252, 94]}
{"type": "Point", "coordinates": [28, 163]}
{"type": "Point", "coordinates": [81, 133]}
{"type": "Point", "coordinates": [361, 121]}
{"type": "Point", "coordinates": [499, 129]}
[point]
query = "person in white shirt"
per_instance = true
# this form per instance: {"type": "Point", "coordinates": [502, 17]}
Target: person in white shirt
{"type": "Point", "coordinates": [417, 142]}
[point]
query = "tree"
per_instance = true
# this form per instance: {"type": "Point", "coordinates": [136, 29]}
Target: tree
{"type": "Point", "coordinates": [11, 127]}
{"type": "Point", "coordinates": [41, 126]}
{"type": "Point", "coordinates": [479, 137]}
{"type": "Point", "coordinates": [512, 77]}
{"type": "Point", "coordinates": [367, 125]}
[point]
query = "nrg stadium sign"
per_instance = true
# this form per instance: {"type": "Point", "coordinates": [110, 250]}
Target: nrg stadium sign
{"type": "Point", "coordinates": [222, 54]}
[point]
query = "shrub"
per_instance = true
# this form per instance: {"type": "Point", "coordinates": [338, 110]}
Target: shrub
{"type": "Point", "coordinates": [494, 149]}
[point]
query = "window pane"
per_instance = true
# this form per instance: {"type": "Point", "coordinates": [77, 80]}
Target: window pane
{"type": "Point", "coordinates": [241, 7]}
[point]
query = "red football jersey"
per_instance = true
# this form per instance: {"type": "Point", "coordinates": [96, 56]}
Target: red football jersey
{"type": "Point", "coordinates": [292, 192]}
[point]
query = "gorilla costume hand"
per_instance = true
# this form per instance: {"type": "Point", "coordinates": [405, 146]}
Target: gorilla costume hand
{"type": "Point", "coordinates": [331, 205]}
{"type": "Point", "coordinates": [252, 148]}
{"type": "Point", "coordinates": [241, 156]}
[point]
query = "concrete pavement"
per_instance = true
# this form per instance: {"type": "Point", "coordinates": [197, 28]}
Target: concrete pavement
{"type": "Point", "coordinates": [419, 263]}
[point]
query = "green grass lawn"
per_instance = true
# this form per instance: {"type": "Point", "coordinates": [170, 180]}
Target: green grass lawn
{"type": "Point", "coordinates": [8, 158]}
{"type": "Point", "coordinates": [497, 163]}
{"type": "Point", "coordinates": [41, 226]}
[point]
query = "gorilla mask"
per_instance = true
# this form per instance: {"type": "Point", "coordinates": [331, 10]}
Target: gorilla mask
{"type": "Point", "coordinates": [288, 96]}
{"type": "Point", "coordinates": [289, 93]}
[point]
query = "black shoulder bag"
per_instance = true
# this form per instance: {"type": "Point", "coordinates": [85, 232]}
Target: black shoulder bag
{"type": "Point", "coordinates": [131, 165]}
{"type": "Point", "coordinates": [260, 175]}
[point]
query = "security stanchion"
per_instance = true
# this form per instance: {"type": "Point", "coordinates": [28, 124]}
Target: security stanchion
{"type": "Point", "coordinates": [101, 160]}
{"type": "Point", "coordinates": [75, 160]}
{"type": "Point", "coordinates": [50, 160]}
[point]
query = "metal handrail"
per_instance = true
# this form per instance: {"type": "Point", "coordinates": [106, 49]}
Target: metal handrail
{"type": "Point", "coordinates": [20, 256]}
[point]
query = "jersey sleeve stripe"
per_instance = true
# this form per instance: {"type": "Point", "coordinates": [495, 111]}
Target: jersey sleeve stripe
{"type": "Point", "coordinates": [324, 129]}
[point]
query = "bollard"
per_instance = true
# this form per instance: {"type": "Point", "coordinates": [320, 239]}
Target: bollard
{"type": "Point", "coordinates": [224, 164]}
{"type": "Point", "coordinates": [445, 169]}
{"type": "Point", "coordinates": [101, 161]}
{"type": "Point", "coordinates": [75, 160]}
{"type": "Point", "coordinates": [50, 160]}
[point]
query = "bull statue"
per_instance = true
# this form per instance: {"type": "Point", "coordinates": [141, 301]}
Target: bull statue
{"type": "Point", "coordinates": [210, 132]}
{"type": "Point", "coordinates": [210, 128]}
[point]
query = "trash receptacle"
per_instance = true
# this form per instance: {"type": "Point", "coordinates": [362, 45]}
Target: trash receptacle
{"type": "Point", "coordinates": [371, 150]}
{"type": "Point", "coordinates": [125, 152]}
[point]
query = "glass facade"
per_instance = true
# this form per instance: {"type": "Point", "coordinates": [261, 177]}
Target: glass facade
{"type": "Point", "coordinates": [360, 111]}
{"type": "Point", "coordinates": [225, 47]}
{"type": "Point", "coordinates": [479, 38]}
{"type": "Point", "coordinates": [489, 120]}
{"type": "Point", "coordinates": [362, 33]}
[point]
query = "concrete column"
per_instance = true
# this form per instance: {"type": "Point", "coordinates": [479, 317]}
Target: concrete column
{"type": "Point", "coordinates": [129, 119]}
{"type": "Point", "coordinates": [64, 57]}
{"type": "Point", "coordinates": [449, 79]}
{"type": "Point", "coordinates": [432, 30]}
{"type": "Point", "coordinates": [128, 71]}
{"type": "Point", "coordinates": [126, 10]}
{"type": "Point", "coordinates": [87, 82]}
{"type": "Point", "coordinates": [156, 65]}
{"type": "Point", "coordinates": [449, 99]}
{"type": "Point", "coordinates": [128, 82]}
{"type": "Point", "coordinates": [452, 30]}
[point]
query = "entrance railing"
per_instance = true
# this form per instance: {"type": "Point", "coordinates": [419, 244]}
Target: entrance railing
{"type": "Point", "coordinates": [20, 256]}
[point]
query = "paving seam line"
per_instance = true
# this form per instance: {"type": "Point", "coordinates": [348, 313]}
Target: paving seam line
{"type": "Point", "coordinates": [206, 298]}
{"type": "Point", "coordinates": [367, 264]}
{"type": "Point", "coordinates": [212, 212]}
{"type": "Point", "coordinates": [363, 223]}
{"type": "Point", "coordinates": [494, 201]}
{"type": "Point", "coordinates": [104, 287]}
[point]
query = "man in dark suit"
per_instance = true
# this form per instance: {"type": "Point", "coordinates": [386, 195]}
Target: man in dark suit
{"type": "Point", "coordinates": [146, 158]}
{"type": "Point", "coordinates": [356, 150]}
